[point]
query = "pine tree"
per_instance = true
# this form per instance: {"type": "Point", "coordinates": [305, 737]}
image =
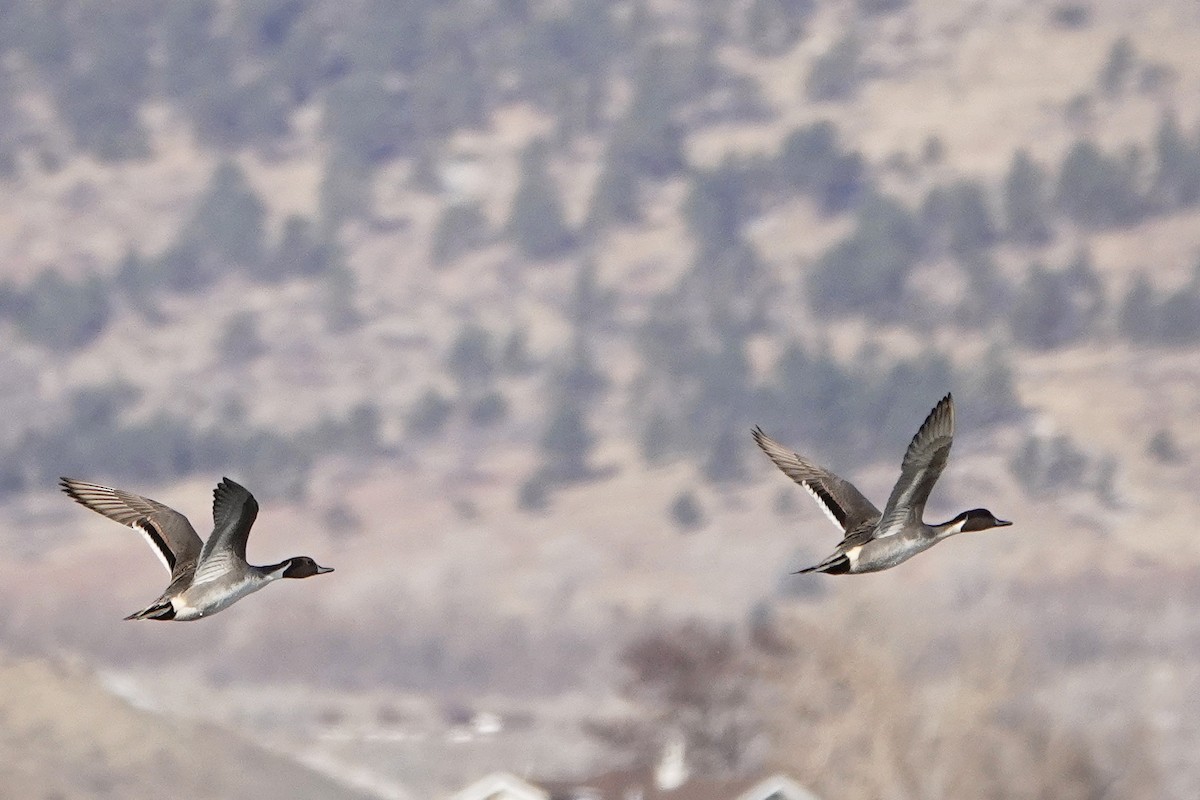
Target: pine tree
{"type": "Point", "coordinates": [774, 26]}
{"type": "Point", "coordinates": [472, 359]}
{"type": "Point", "coordinates": [461, 228]}
{"type": "Point", "coordinates": [537, 222]}
{"type": "Point", "coordinates": [567, 444]}
{"type": "Point", "coordinates": [1114, 75]}
{"type": "Point", "coordinates": [1099, 190]}
{"type": "Point", "coordinates": [230, 220]}
{"type": "Point", "coordinates": [835, 74]}
{"type": "Point", "coordinates": [299, 252]}
{"type": "Point", "coordinates": [429, 414]}
{"type": "Point", "coordinates": [1043, 316]}
{"type": "Point", "coordinates": [972, 228]}
{"type": "Point", "coordinates": [1139, 318]}
{"type": "Point", "coordinates": [1177, 179]}
{"type": "Point", "coordinates": [615, 198]}
{"type": "Point", "coordinates": [687, 512]}
{"type": "Point", "coordinates": [1026, 208]}
{"type": "Point", "coordinates": [869, 268]}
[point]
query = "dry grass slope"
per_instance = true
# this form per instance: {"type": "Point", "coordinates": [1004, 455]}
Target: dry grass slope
{"type": "Point", "coordinates": [63, 736]}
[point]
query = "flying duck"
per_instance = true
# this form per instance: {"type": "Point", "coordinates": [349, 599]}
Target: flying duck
{"type": "Point", "coordinates": [204, 579]}
{"type": "Point", "coordinates": [875, 541]}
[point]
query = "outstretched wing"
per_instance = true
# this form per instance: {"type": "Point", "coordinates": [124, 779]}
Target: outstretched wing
{"type": "Point", "coordinates": [234, 511]}
{"type": "Point", "coordinates": [839, 499]}
{"type": "Point", "coordinates": [169, 533]}
{"type": "Point", "coordinates": [923, 463]}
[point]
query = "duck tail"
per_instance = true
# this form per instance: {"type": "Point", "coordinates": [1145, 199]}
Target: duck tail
{"type": "Point", "coordinates": [834, 565]}
{"type": "Point", "coordinates": [161, 611]}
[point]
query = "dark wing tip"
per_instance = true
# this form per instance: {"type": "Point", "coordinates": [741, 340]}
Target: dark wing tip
{"type": "Point", "coordinates": [760, 437]}
{"type": "Point", "coordinates": [71, 487]}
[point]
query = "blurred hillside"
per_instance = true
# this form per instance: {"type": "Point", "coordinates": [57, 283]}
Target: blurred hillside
{"type": "Point", "coordinates": [481, 299]}
{"type": "Point", "coordinates": [63, 735]}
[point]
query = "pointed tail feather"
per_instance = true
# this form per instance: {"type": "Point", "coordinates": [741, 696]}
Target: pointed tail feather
{"type": "Point", "coordinates": [162, 611]}
{"type": "Point", "coordinates": [834, 565]}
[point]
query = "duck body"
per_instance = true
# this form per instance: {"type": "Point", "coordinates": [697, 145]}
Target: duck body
{"type": "Point", "coordinates": [205, 578]}
{"type": "Point", "coordinates": [874, 540]}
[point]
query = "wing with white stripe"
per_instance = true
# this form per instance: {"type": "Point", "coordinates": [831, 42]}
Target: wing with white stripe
{"type": "Point", "coordinates": [168, 532]}
{"type": "Point", "coordinates": [839, 499]}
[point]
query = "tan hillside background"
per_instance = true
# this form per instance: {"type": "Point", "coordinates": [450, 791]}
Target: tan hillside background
{"type": "Point", "coordinates": [1056, 658]}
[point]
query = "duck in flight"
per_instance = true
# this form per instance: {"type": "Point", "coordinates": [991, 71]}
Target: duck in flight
{"type": "Point", "coordinates": [875, 541]}
{"type": "Point", "coordinates": [204, 579]}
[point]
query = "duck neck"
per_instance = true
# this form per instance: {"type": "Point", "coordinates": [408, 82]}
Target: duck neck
{"type": "Point", "coordinates": [275, 571]}
{"type": "Point", "coordinates": [949, 528]}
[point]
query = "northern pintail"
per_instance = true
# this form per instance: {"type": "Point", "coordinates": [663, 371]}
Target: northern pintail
{"type": "Point", "coordinates": [204, 579]}
{"type": "Point", "coordinates": [875, 541]}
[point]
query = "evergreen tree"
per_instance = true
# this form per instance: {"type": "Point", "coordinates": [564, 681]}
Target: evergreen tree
{"type": "Point", "coordinates": [195, 58]}
{"type": "Point", "coordinates": [1139, 318]}
{"type": "Point", "coordinates": [649, 137]}
{"type": "Point", "coordinates": [774, 26]}
{"type": "Point", "coordinates": [812, 160]}
{"type": "Point", "coordinates": [867, 270]}
{"type": "Point", "coordinates": [567, 444]}
{"type": "Point", "coordinates": [687, 512]}
{"type": "Point", "coordinates": [448, 91]}
{"type": "Point", "coordinates": [1177, 180]}
{"type": "Point", "coordinates": [461, 228]}
{"type": "Point", "coordinates": [428, 415]}
{"type": "Point", "coordinates": [229, 222]}
{"type": "Point", "coordinates": [835, 75]}
{"type": "Point", "coordinates": [1088, 299]}
{"type": "Point", "coordinates": [1099, 190]}
{"type": "Point", "coordinates": [656, 440]}
{"type": "Point", "coordinates": [537, 223]}
{"type": "Point", "coordinates": [241, 340]}
{"type": "Point", "coordinates": [367, 119]}
{"type": "Point", "coordinates": [345, 192]}
{"type": "Point", "coordinates": [615, 199]}
{"type": "Point", "coordinates": [1114, 75]}
{"type": "Point", "coordinates": [61, 314]}
{"type": "Point", "coordinates": [591, 305]}
{"type": "Point", "coordinates": [717, 205]}
{"type": "Point", "coordinates": [580, 380]}
{"type": "Point", "coordinates": [1026, 208]}
{"type": "Point", "coordinates": [339, 288]}
{"type": "Point", "coordinates": [239, 113]}
{"type": "Point", "coordinates": [299, 252]}
{"type": "Point", "coordinates": [100, 93]}
{"type": "Point", "coordinates": [472, 359]}
{"type": "Point", "coordinates": [1179, 316]}
{"type": "Point", "coordinates": [881, 6]}
{"type": "Point", "coordinates": [488, 410]}
{"type": "Point", "coordinates": [972, 228]}
{"type": "Point", "coordinates": [1045, 315]}
{"type": "Point", "coordinates": [515, 358]}
{"type": "Point", "coordinates": [724, 462]}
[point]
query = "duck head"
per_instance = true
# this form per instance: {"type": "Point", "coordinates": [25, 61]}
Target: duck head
{"type": "Point", "coordinates": [977, 519]}
{"type": "Point", "coordinates": [302, 567]}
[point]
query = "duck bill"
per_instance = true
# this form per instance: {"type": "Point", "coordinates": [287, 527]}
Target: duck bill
{"type": "Point", "coordinates": [1003, 523]}
{"type": "Point", "coordinates": [323, 570]}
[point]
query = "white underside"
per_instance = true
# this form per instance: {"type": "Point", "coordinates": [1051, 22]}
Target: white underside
{"type": "Point", "coordinates": [203, 600]}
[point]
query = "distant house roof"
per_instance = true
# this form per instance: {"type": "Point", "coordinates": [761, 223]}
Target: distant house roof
{"type": "Point", "coordinates": [777, 787]}
{"type": "Point", "coordinates": [502, 786]}
{"type": "Point", "coordinates": [640, 785]}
